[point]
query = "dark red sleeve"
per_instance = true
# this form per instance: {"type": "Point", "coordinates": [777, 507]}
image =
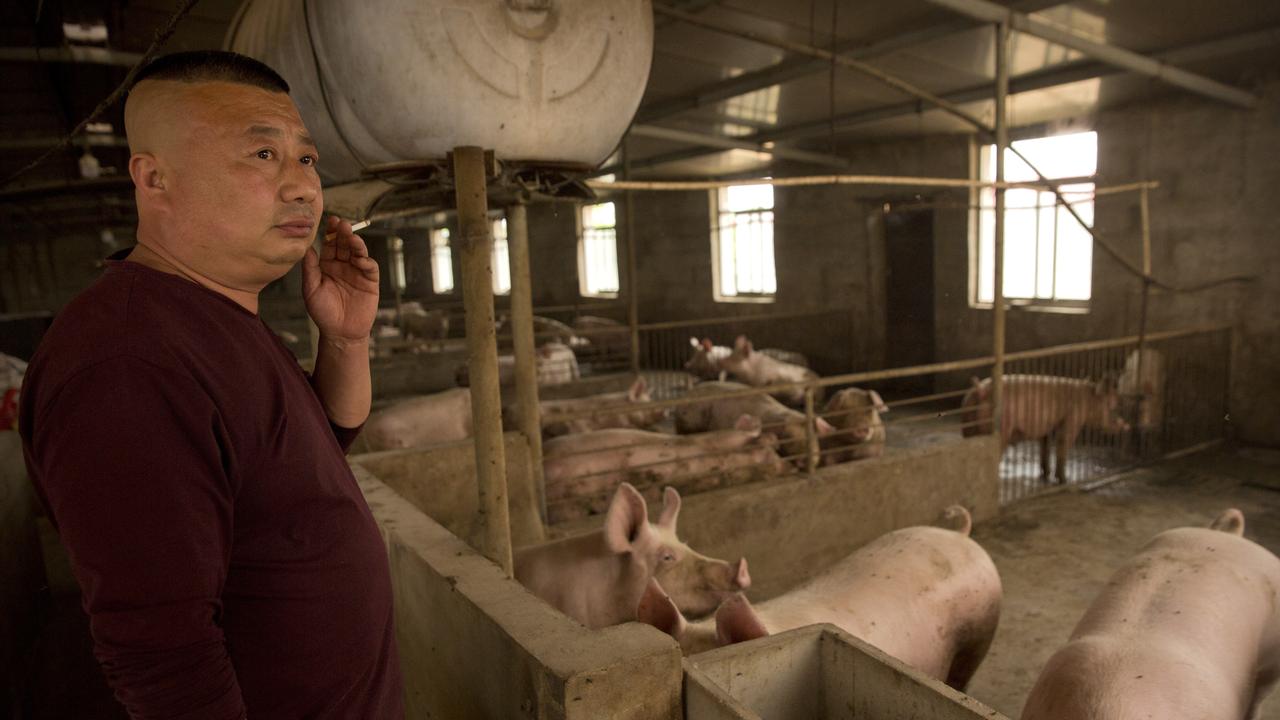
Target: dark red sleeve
{"type": "Point", "coordinates": [132, 461]}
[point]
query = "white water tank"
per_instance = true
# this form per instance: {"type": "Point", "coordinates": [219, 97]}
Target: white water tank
{"type": "Point", "coordinates": [382, 81]}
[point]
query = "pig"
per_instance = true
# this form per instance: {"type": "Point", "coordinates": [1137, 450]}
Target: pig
{"type": "Point", "coordinates": [1187, 629]}
{"type": "Point", "coordinates": [1036, 406]}
{"type": "Point", "coordinates": [555, 365]}
{"type": "Point", "coordinates": [1144, 396]}
{"type": "Point", "coordinates": [613, 410]}
{"type": "Point", "coordinates": [706, 359]}
{"type": "Point", "coordinates": [757, 369]}
{"type": "Point", "coordinates": [928, 596]}
{"type": "Point", "coordinates": [598, 578]}
{"type": "Point", "coordinates": [426, 420]}
{"type": "Point", "coordinates": [787, 424]}
{"type": "Point", "coordinates": [580, 470]}
{"type": "Point", "coordinates": [545, 330]}
{"type": "Point", "coordinates": [859, 431]}
{"type": "Point", "coordinates": [422, 324]}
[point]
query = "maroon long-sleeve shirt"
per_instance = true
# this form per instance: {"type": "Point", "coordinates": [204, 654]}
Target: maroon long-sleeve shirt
{"type": "Point", "coordinates": [228, 561]}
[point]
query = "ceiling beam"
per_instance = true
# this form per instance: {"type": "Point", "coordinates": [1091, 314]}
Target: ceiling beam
{"type": "Point", "coordinates": [70, 54]}
{"type": "Point", "coordinates": [1111, 54]}
{"type": "Point", "coordinates": [801, 66]}
{"type": "Point", "coordinates": [44, 143]}
{"type": "Point", "coordinates": [726, 143]}
{"type": "Point", "coordinates": [1038, 80]}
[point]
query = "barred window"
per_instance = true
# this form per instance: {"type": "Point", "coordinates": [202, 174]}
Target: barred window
{"type": "Point", "coordinates": [742, 243]}
{"type": "Point", "coordinates": [598, 251]}
{"type": "Point", "coordinates": [441, 262]}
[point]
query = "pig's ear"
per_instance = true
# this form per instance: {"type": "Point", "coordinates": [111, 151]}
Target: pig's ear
{"type": "Point", "coordinates": [626, 520]}
{"type": "Point", "coordinates": [822, 426]}
{"type": "Point", "coordinates": [736, 621]}
{"type": "Point", "coordinates": [670, 509]}
{"type": "Point", "coordinates": [636, 390]}
{"type": "Point", "coordinates": [877, 402]}
{"type": "Point", "coordinates": [976, 382]}
{"type": "Point", "coordinates": [742, 345]}
{"type": "Point", "coordinates": [693, 342]}
{"type": "Point", "coordinates": [656, 608]}
{"type": "Point", "coordinates": [1230, 521]}
{"type": "Point", "coordinates": [748, 423]}
{"type": "Point", "coordinates": [707, 344]}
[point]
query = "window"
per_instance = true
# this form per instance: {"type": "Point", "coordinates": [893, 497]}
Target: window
{"type": "Point", "coordinates": [441, 262]}
{"type": "Point", "coordinates": [742, 243]}
{"type": "Point", "coordinates": [598, 251]}
{"type": "Point", "coordinates": [501, 259]}
{"type": "Point", "coordinates": [1048, 256]}
{"type": "Point", "coordinates": [395, 249]}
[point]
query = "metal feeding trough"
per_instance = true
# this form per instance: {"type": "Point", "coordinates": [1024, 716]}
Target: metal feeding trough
{"type": "Point", "coordinates": [389, 87]}
{"type": "Point", "coordinates": [818, 672]}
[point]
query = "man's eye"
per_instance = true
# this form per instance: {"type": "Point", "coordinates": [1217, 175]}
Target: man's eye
{"type": "Point", "coordinates": [310, 159]}
{"type": "Point", "coordinates": [265, 154]}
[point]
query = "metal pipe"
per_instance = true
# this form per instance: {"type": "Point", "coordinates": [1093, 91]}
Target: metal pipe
{"type": "Point", "coordinates": [887, 180]}
{"type": "Point", "coordinates": [475, 249]}
{"type": "Point", "coordinates": [523, 343]}
{"type": "Point", "coordinates": [1145, 216]}
{"type": "Point", "coordinates": [1110, 54]}
{"type": "Point", "coordinates": [728, 143]}
{"type": "Point", "coordinates": [998, 310]}
{"type": "Point", "coordinates": [810, 432]}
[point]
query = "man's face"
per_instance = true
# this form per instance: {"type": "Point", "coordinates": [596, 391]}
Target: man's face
{"type": "Point", "coordinates": [242, 198]}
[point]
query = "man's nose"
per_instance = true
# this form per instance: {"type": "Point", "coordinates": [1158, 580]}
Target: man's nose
{"type": "Point", "coordinates": [300, 185]}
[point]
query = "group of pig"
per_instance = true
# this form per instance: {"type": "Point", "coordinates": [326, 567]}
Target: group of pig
{"type": "Point", "coordinates": [1188, 628]}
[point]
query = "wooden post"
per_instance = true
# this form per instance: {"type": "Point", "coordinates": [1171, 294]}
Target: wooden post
{"type": "Point", "coordinates": [523, 340]}
{"type": "Point", "coordinates": [633, 291]}
{"type": "Point", "coordinates": [470, 174]}
{"type": "Point", "coordinates": [810, 432]}
{"type": "Point", "coordinates": [1002, 142]}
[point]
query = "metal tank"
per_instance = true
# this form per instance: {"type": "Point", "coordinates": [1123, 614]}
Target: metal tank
{"type": "Point", "coordinates": [393, 81]}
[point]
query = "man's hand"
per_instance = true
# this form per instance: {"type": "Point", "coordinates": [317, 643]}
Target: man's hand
{"type": "Point", "coordinates": [340, 285]}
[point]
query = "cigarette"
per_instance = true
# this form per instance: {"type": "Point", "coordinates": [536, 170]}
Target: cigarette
{"type": "Point", "coordinates": [355, 227]}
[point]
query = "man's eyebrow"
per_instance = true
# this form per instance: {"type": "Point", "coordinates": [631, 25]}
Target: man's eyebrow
{"type": "Point", "coordinates": [276, 132]}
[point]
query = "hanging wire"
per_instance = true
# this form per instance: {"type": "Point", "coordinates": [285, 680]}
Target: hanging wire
{"type": "Point", "coordinates": [161, 37]}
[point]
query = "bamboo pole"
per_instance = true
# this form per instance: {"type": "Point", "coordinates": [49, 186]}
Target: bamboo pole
{"type": "Point", "coordinates": [633, 290]}
{"type": "Point", "coordinates": [523, 340]}
{"type": "Point", "coordinates": [476, 253]}
{"type": "Point", "coordinates": [998, 310]}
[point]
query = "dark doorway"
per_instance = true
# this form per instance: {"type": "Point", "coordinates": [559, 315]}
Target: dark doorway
{"type": "Point", "coordinates": [908, 239]}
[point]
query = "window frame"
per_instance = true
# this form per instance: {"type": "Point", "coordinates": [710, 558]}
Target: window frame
{"type": "Point", "coordinates": [714, 203]}
{"type": "Point", "coordinates": [1050, 305]}
{"type": "Point", "coordinates": [494, 257]}
{"type": "Point", "coordinates": [583, 279]}
{"type": "Point", "coordinates": [432, 234]}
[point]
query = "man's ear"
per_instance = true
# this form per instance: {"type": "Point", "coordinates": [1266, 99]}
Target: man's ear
{"type": "Point", "coordinates": [147, 175]}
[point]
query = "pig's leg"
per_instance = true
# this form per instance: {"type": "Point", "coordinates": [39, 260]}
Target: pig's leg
{"type": "Point", "coordinates": [1066, 440]}
{"type": "Point", "coordinates": [1263, 684]}
{"type": "Point", "coordinates": [1044, 457]}
{"type": "Point", "coordinates": [966, 661]}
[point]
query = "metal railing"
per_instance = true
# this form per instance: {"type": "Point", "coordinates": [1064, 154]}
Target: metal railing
{"type": "Point", "coordinates": [1092, 400]}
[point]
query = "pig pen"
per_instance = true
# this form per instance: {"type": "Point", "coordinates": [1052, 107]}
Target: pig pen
{"type": "Point", "coordinates": [474, 643]}
{"type": "Point", "coordinates": [819, 672]}
{"type": "Point", "coordinates": [1055, 552]}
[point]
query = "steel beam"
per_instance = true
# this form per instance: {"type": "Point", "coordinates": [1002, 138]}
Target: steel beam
{"type": "Point", "coordinates": [1105, 52]}
{"type": "Point", "coordinates": [726, 143]}
{"type": "Point", "coordinates": [70, 54]}
{"type": "Point", "coordinates": [797, 67]}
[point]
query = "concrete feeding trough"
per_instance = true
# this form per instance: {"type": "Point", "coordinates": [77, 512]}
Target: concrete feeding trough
{"type": "Point", "coordinates": [818, 672]}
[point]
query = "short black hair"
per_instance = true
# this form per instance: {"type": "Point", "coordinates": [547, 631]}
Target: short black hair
{"type": "Point", "coordinates": [212, 66]}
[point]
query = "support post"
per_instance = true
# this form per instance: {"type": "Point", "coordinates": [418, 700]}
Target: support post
{"type": "Point", "coordinates": [470, 174]}
{"type": "Point", "coordinates": [998, 310]}
{"type": "Point", "coordinates": [810, 432]}
{"type": "Point", "coordinates": [633, 292]}
{"type": "Point", "coordinates": [523, 340]}
{"type": "Point", "coordinates": [1145, 206]}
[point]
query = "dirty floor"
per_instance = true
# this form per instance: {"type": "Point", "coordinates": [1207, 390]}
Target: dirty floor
{"type": "Point", "coordinates": [1056, 551]}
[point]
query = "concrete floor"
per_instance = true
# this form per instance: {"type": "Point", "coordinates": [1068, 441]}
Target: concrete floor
{"type": "Point", "coordinates": [1056, 551]}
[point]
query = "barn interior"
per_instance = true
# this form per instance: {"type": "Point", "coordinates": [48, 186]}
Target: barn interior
{"type": "Point", "coordinates": [820, 179]}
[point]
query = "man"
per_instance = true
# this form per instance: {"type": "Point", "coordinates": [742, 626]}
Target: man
{"type": "Point", "coordinates": [229, 564]}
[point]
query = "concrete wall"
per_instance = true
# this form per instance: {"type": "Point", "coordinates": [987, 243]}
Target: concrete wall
{"type": "Point", "coordinates": [21, 570]}
{"type": "Point", "coordinates": [475, 644]}
{"type": "Point", "coordinates": [819, 671]}
{"type": "Point", "coordinates": [440, 480]}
